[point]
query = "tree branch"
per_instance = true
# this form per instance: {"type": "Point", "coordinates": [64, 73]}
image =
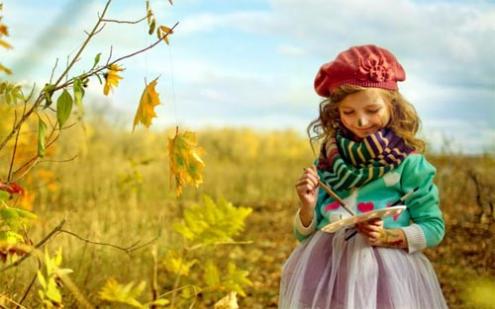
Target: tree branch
{"type": "Point", "coordinates": [61, 77]}
{"type": "Point", "coordinates": [39, 244]}
{"type": "Point", "coordinates": [127, 250]}
{"type": "Point", "coordinates": [124, 21]}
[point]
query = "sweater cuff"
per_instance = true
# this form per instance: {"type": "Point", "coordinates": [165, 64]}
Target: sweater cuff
{"type": "Point", "coordinates": [416, 240]}
{"type": "Point", "coordinates": [301, 229]}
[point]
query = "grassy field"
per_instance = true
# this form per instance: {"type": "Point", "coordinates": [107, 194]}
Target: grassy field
{"type": "Point", "coordinates": [117, 191]}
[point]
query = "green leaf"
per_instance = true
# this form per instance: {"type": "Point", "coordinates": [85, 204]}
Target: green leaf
{"type": "Point", "coordinates": [47, 93]}
{"type": "Point", "coordinates": [99, 78]}
{"type": "Point", "coordinates": [15, 218]}
{"type": "Point", "coordinates": [64, 107]}
{"type": "Point", "coordinates": [211, 275]}
{"type": "Point", "coordinates": [97, 59]}
{"type": "Point", "coordinates": [10, 237]}
{"type": "Point", "coordinates": [41, 137]}
{"type": "Point", "coordinates": [41, 279]}
{"type": "Point", "coordinates": [4, 196]}
{"type": "Point", "coordinates": [212, 223]}
{"type": "Point", "coordinates": [152, 26]}
{"type": "Point", "coordinates": [78, 94]}
{"type": "Point", "coordinates": [236, 279]}
{"type": "Point", "coordinates": [116, 292]}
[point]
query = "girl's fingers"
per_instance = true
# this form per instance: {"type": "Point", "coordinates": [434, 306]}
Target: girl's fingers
{"type": "Point", "coordinates": [306, 181]}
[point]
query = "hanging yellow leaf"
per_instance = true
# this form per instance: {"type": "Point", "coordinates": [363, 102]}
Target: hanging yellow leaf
{"type": "Point", "coordinates": [185, 162]}
{"type": "Point", "coordinates": [146, 108]}
{"type": "Point", "coordinates": [163, 33]}
{"type": "Point", "coordinates": [112, 78]}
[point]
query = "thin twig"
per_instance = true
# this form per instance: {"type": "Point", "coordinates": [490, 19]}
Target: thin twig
{"type": "Point", "coordinates": [28, 98]}
{"type": "Point", "coordinates": [101, 68]}
{"type": "Point", "coordinates": [39, 244]}
{"type": "Point", "coordinates": [154, 275]}
{"type": "Point", "coordinates": [127, 250]}
{"type": "Point", "coordinates": [53, 70]}
{"type": "Point", "coordinates": [30, 284]}
{"type": "Point", "coordinates": [99, 30]}
{"type": "Point", "coordinates": [124, 21]}
{"type": "Point", "coordinates": [59, 161]}
{"type": "Point", "coordinates": [12, 301]}
{"type": "Point", "coordinates": [148, 47]}
{"type": "Point", "coordinates": [109, 55]}
{"type": "Point", "coordinates": [61, 77]}
{"type": "Point", "coordinates": [15, 145]}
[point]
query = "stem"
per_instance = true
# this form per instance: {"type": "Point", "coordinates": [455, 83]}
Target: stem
{"type": "Point", "coordinates": [30, 285]}
{"type": "Point", "coordinates": [39, 244]}
{"type": "Point", "coordinates": [40, 96]}
{"type": "Point", "coordinates": [124, 21]}
{"type": "Point", "coordinates": [99, 69]}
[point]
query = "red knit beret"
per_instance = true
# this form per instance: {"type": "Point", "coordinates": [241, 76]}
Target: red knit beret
{"type": "Point", "coordinates": [366, 65]}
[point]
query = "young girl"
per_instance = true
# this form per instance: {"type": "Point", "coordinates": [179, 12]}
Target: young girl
{"type": "Point", "coordinates": [371, 158]}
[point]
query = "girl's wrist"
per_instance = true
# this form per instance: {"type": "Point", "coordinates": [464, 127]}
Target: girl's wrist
{"type": "Point", "coordinates": [306, 215]}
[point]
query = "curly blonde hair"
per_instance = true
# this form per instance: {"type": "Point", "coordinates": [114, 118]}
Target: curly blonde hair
{"type": "Point", "coordinates": [404, 120]}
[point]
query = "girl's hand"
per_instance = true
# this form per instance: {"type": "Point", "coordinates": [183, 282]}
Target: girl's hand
{"type": "Point", "coordinates": [377, 235]}
{"type": "Point", "coordinates": [373, 230]}
{"type": "Point", "coordinates": [307, 187]}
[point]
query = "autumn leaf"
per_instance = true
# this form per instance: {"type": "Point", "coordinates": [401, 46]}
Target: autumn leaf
{"type": "Point", "coordinates": [112, 78]}
{"type": "Point", "coordinates": [127, 294]}
{"type": "Point", "coordinates": [146, 108]}
{"type": "Point", "coordinates": [163, 32]}
{"type": "Point", "coordinates": [150, 18]}
{"type": "Point", "coordinates": [185, 162]}
{"type": "Point", "coordinates": [4, 30]}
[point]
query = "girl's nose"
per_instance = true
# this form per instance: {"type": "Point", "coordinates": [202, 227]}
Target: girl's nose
{"type": "Point", "coordinates": [362, 122]}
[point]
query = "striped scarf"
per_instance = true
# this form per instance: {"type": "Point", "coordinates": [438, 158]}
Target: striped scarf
{"type": "Point", "coordinates": [345, 163]}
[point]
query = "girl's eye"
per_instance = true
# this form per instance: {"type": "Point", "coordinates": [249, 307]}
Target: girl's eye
{"type": "Point", "coordinates": [348, 113]}
{"type": "Point", "coordinates": [374, 111]}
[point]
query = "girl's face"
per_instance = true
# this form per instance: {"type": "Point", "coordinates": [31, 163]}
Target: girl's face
{"type": "Point", "coordinates": [364, 112]}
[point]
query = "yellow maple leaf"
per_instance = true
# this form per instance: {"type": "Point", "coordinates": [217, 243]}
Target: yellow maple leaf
{"type": "Point", "coordinates": [146, 108]}
{"type": "Point", "coordinates": [163, 33]}
{"type": "Point", "coordinates": [112, 78]}
{"type": "Point", "coordinates": [185, 162]}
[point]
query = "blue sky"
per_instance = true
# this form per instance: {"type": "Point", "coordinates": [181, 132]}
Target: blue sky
{"type": "Point", "coordinates": [252, 63]}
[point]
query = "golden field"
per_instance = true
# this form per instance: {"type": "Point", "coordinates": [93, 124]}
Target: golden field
{"type": "Point", "coordinates": [117, 191]}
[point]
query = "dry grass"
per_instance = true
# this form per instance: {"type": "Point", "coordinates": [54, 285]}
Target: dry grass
{"type": "Point", "coordinates": [118, 191]}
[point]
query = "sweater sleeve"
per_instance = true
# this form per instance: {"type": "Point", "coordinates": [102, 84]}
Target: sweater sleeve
{"type": "Point", "coordinates": [302, 232]}
{"type": "Point", "coordinates": [428, 228]}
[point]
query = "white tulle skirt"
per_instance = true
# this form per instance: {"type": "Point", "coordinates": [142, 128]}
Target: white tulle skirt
{"type": "Point", "coordinates": [326, 271]}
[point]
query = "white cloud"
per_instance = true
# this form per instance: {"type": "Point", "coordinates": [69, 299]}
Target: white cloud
{"type": "Point", "coordinates": [291, 50]}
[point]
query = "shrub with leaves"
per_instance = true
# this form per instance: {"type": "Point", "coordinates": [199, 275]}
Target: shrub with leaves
{"type": "Point", "coordinates": [50, 280]}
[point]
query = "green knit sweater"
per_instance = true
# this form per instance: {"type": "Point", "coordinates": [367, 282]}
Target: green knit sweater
{"type": "Point", "coordinates": [422, 220]}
